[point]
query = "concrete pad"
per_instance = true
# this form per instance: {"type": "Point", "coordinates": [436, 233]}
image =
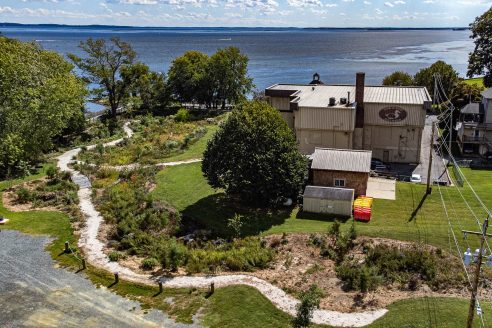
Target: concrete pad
{"type": "Point", "coordinates": [381, 188]}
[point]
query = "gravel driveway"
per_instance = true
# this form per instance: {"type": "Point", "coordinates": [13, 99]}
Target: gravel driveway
{"type": "Point", "coordinates": [34, 293]}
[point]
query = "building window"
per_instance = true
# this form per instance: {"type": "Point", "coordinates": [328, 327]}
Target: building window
{"type": "Point", "coordinates": [339, 183]}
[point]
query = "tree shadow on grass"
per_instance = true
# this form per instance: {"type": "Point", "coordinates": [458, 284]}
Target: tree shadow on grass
{"type": "Point", "coordinates": [321, 217]}
{"type": "Point", "coordinates": [213, 213]}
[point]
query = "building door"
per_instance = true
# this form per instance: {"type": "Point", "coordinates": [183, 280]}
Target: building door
{"type": "Point", "coordinates": [386, 156]}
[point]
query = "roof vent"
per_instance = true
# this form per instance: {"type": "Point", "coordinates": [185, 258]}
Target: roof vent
{"type": "Point", "coordinates": [343, 101]}
{"type": "Point", "coordinates": [333, 101]}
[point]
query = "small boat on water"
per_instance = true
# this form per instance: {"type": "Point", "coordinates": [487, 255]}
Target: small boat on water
{"type": "Point", "coordinates": [227, 39]}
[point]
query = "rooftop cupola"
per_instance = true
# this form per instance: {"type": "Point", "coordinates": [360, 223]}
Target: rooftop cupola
{"type": "Point", "coordinates": [316, 79]}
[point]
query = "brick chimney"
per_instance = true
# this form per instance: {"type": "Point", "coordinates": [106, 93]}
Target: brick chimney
{"type": "Point", "coordinates": [359, 98]}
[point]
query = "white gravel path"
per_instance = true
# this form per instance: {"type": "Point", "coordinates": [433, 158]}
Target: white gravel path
{"type": "Point", "coordinates": [93, 249]}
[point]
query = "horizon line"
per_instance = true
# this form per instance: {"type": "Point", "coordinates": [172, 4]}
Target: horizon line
{"type": "Point", "coordinates": [4, 24]}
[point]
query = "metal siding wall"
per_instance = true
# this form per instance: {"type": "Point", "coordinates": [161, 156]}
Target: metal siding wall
{"type": "Point", "coordinates": [415, 115]}
{"type": "Point", "coordinates": [310, 139]}
{"type": "Point", "coordinates": [280, 103]}
{"type": "Point", "coordinates": [402, 150]}
{"type": "Point", "coordinates": [289, 118]}
{"type": "Point", "coordinates": [327, 206]}
{"type": "Point", "coordinates": [341, 119]}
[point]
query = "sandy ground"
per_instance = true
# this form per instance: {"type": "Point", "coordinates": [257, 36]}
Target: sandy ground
{"type": "Point", "coordinates": [94, 252]}
{"type": "Point", "coordinates": [34, 293]}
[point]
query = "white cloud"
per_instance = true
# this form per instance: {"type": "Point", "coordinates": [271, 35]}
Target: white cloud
{"type": "Point", "coordinates": [389, 4]}
{"type": "Point", "coordinates": [304, 3]}
{"type": "Point", "coordinates": [367, 2]}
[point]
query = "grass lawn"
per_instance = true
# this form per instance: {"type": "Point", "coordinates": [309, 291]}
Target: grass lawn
{"type": "Point", "coordinates": [185, 188]}
{"type": "Point", "coordinates": [476, 80]}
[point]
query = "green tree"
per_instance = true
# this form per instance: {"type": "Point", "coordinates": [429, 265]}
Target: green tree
{"type": "Point", "coordinates": [103, 65]}
{"type": "Point", "coordinates": [39, 97]}
{"type": "Point", "coordinates": [147, 90]}
{"type": "Point", "coordinates": [398, 78]}
{"type": "Point", "coordinates": [228, 70]}
{"type": "Point", "coordinates": [449, 77]}
{"type": "Point", "coordinates": [310, 300]}
{"type": "Point", "coordinates": [187, 77]}
{"type": "Point", "coordinates": [464, 93]}
{"type": "Point", "coordinates": [480, 60]}
{"type": "Point", "coordinates": [254, 155]}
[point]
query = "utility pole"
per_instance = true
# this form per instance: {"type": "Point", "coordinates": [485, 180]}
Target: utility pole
{"type": "Point", "coordinates": [451, 128]}
{"type": "Point", "coordinates": [476, 279]}
{"type": "Point", "coordinates": [429, 170]}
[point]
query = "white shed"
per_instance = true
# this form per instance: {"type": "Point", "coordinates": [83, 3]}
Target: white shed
{"type": "Point", "coordinates": [328, 200]}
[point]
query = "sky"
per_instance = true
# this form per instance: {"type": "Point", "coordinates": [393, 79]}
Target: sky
{"type": "Point", "coordinates": [248, 13]}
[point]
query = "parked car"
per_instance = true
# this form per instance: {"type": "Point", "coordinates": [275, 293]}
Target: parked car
{"type": "Point", "coordinates": [378, 165]}
{"type": "Point", "coordinates": [416, 178]}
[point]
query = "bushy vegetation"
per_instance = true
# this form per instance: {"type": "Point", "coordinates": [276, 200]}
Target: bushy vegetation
{"type": "Point", "coordinates": [96, 131]}
{"type": "Point", "coordinates": [239, 255]}
{"type": "Point", "coordinates": [148, 228]}
{"type": "Point", "coordinates": [57, 191]}
{"type": "Point", "coordinates": [310, 300]}
{"type": "Point", "coordinates": [156, 139]}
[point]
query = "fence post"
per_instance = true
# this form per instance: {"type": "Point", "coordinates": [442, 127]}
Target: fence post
{"type": "Point", "coordinates": [67, 248]}
{"type": "Point", "coordinates": [160, 287]}
{"type": "Point", "coordinates": [116, 277]}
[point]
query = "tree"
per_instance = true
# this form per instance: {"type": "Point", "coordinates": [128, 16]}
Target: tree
{"type": "Point", "coordinates": [449, 77]}
{"type": "Point", "coordinates": [39, 97]}
{"type": "Point", "coordinates": [228, 69]}
{"type": "Point", "coordinates": [187, 76]}
{"type": "Point", "coordinates": [464, 93]}
{"type": "Point", "coordinates": [254, 156]}
{"type": "Point", "coordinates": [147, 90]}
{"type": "Point", "coordinates": [103, 65]}
{"type": "Point", "coordinates": [480, 60]}
{"type": "Point", "coordinates": [398, 78]}
{"type": "Point", "coordinates": [310, 300]}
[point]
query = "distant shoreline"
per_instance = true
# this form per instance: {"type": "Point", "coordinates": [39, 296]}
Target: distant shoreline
{"type": "Point", "coordinates": [266, 29]}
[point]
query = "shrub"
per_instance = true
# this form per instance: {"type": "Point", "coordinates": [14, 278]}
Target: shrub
{"type": "Point", "coordinates": [51, 172]}
{"type": "Point", "coordinates": [23, 196]}
{"type": "Point", "coordinates": [149, 263]}
{"type": "Point", "coordinates": [115, 256]}
{"type": "Point", "coordinates": [182, 115]}
{"type": "Point", "coordinates": [357, 277]}
{"type": "Point", "coordinates": [334, 230]}
{"type": "Point", "coordinates": [310, 300]}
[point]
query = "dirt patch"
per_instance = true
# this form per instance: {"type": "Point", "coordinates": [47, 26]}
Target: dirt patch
{"type": "Point", "coordinates": [10, 202]}
{"type": "Point", "coordinates": [298, 265]}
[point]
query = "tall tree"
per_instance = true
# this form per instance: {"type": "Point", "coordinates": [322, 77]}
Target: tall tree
{"type": "Point", "coordinates": [464, 93]}
{"type": "Point", "coordinates": [187, 75]}
{"type": "Point", "coordinates": [254, 155]}
{"type": "Point", "coordinates": [480, 60]}
{"type": "Point", "coordinates": [449, 77]}
{"type": "Point", "coordinates": [39, 97]}
{"type": "Point", "coordinates": [398, 78]}
{"type": "Point", "coordinates": [103, 65]}
{"type": "Point", "coordinates": [228, 69]}
{"type": "Point", "coordinates": [147, 90]}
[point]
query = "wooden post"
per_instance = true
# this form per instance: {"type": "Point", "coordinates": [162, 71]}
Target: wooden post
{"type": "Point", "coordinates": [160, 286]}
{"type": "Point", "coordinates": [476, 279]}
{"type": "Point", "coordinates": [67, 248]}
{"type": "Point", "coordinates": [429, 170]}
{"type": "Point", "coordinates": [212, 287]}
{"type": "Point", "coordinates": [116, 277]}
{"type": "Point", "coordinates": [84, 266]}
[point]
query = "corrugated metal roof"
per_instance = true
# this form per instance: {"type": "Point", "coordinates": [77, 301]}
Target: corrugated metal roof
{"type": "Point", "coordinates": [319, 95]}
{"type": "Point", "coordinates": [342, 160]}
{"type": "Point", "coordinates": [487, 93]}
{"type": "Point", "coordinates": [473, 108]}
{"type": "Point", "coordinates": [329, 193]}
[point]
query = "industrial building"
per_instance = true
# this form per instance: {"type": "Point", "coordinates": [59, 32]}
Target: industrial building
{"type": "Point", "coordinates": [387, 120]}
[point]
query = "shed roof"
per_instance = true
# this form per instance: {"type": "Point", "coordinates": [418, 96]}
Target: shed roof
{"type": "Point", "coordinates": [472, 108]}
{"type": "Point", "coordinates": [329, 193]}
{"type": "Point", "coordinates": [342, 160]}
{"type": "Point", "coordinates": [319, 95]}
{"type": "Point", "coordinates": [487, 93]}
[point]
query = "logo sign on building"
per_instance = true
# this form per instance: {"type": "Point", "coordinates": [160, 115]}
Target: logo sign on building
{"type": "Point", "coordinates": [393, 114]}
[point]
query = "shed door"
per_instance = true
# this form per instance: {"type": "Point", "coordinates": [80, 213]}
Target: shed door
{"type": "Point", "coordinates": [386, 156]}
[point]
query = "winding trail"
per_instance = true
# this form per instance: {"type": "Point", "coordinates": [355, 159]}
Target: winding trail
{"type": "Point", "coordinates": [93, 250]}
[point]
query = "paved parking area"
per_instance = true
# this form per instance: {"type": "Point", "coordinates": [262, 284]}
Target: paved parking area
{"type": "Point", "coordinates": [381, 188]}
